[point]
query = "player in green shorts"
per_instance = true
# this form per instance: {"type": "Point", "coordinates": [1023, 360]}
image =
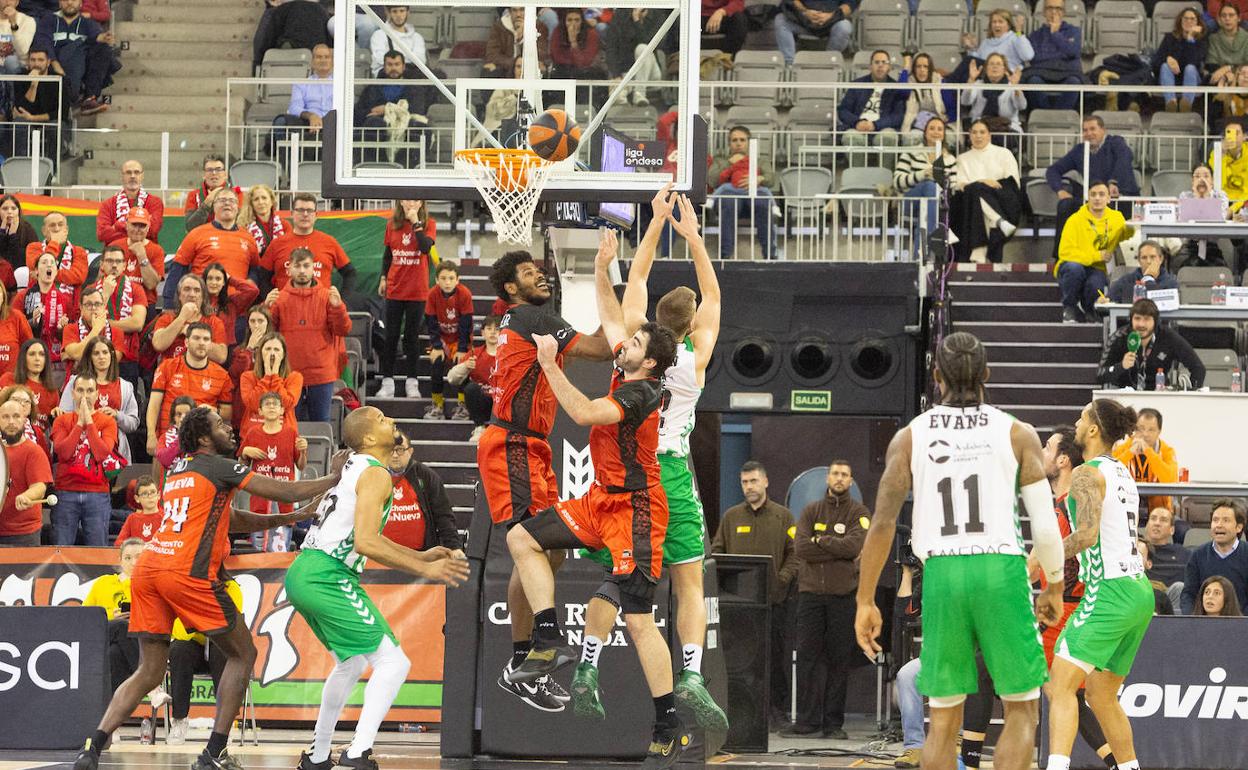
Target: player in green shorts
{"type": "Point", "coordinates": [697, 326]}
{"type": "Point", "coordinates": [323, 584]}
{"type": "Point", "coordinates": [968, 463]}
{"type": "Point", "coordinates": [1100, 640]}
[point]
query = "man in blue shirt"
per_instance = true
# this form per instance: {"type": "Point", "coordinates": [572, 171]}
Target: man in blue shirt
{"type": "Point", "coordinates": [1110, 159]}
{"type": "Point", "coordinates": [309, 102]}
{"type": "Point", "coordinates": [1057, 45]}
{"type": "Point", "coordinates": [81, 52]}
{"type": "Point", "coordinates": [1223, 555]}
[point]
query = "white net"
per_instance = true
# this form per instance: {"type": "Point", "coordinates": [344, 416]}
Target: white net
{"type": "Point", "coordinates": [511, 182]}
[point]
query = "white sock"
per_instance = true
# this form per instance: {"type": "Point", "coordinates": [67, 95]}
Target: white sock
{"type": "Point", "coordinates": [390, 668]}
{"type": "Point", "coordinates": [338, 686]}
{"type": "Point", "coordinates": [1059, 762]}
{"type": "Point", "coordinates": [590, 650]}
{"type": "Point", "coordinates": [1131, 765]}
{"type": "Point", "coordinates": [693, 658]}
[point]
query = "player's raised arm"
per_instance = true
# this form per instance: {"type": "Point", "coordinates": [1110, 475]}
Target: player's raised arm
{"type": "Point", "coordinates": [636, 296]}
{"type": "Point", "coordinates": [894, 486]}
{"type": "Point", "coordinates": [583, 411]}
{"type": "Point", "coordinates": [371, 492]}
{"type": "Point", "coordinates": [706, 319]}
{"type": "Point", "coordinates": [609, 313]}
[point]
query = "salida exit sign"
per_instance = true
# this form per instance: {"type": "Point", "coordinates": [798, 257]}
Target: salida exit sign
{"type": "Point", "coordinates": [810, 401]}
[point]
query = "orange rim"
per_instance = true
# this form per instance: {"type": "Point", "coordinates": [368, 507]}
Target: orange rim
{"type": "Point", "coordinates": [516, 162]}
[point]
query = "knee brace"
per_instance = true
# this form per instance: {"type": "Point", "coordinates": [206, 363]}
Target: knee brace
{"type": "Point", "coordinates": [609, 592]}
{"type": "Point", "coordinates": [636, 594]}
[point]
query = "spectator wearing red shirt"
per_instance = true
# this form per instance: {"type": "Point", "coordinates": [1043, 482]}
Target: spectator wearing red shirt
{"type": "Point", "coordinates": [82, 440]}
{"type": "Point", "coordinates": [260, 216]}
{"type": "Point", "coordinates": [473, 378]}
{"type": "Point", "coordinates": [727, 18]}
{"type": "Point", "coordinates": [274, 448]}
{"type": "Point", "coordinates": [125, 305]}
{"type": "Point", "coordinates": [228, 298]}
{"type": "Point", "coordinates": [199, 202]}
{"type": "Point", "coordinates": [114, 394]}
{"type": "Point", "coordinates": [574, 48]}
{"type": "Point", "coordinates": [314, 322]}
{"type": "Point", "coordinates": [25, 400]}
{"type": "Point", "coordinates": [144, 522]}
{"type": "Point", "coordinates": [243, 357]}
{"type": "Point", "coordinates": [448, 314]}
{"type": "Point", "coordinates": [221, 240]}
{"type": "Point", "coordinates": [327, 253]}
{"type": "Point", "coordinates": [34, 372]}
{"type": "Point", "coordinates": [169, 331]}
{"type": "Point", "coordinates": [93, 322]}
{"type": "Point", "coordinates": [405, 286]}
{"type": "Point", "coordinates": [15, 235]}
{"type": "Point", "coordinates": [97, 11]}
{"type": "Point", "coordinates": [71, 262]}
{"type": "Point", "coordinates": [191, 374]}
{"type": "Point", "coordinates": [29, 477]}
{"type": "Point", "coordinates": [110, 220]}
{"type": "Point", "coordinates": [271, 373]}
{"type": "Point", "coordinates": [145, 258]}
{"type": "Point", "coordinates": [419, 498]}
{"type": "Point", "coordinates": [48, 304]}
{"type": "Point", "coordinates": [14, 330]}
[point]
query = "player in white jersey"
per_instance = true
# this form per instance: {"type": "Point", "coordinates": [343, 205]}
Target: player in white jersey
{"type": "Point", "coordinates": [696, 326]}
{"type": "Point", "coordinates": [1103, 635]}
{"type": "Point", "coordinates": [966, 462]}
{"type": "Point", "coordinates": [323, 585]}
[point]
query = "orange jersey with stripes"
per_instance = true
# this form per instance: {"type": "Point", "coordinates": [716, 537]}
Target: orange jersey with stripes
{"type": "Point", "coordinates": [524, 399]}
{"type": "Point", "coordinates": [194, 534]}
{"type": "Point", "coordinates": [625, 453]}
{"type": "Point", "coordinates": [209, 385]}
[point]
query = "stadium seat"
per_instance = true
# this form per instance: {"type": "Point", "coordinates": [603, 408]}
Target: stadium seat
{"type": "Point", "coordinates": [798, 188]}
{"type": "Point", "coordinates": [939, 24]}
{"type": "Point", "coordinates": [1119, 271]}
{"type": "Point", "coordinates": [810, 124]}
{"type": "Point", "coordinates": [310, 177]}
{"type": "Point", "coordinates": [283, 63]}
{"type": "Point", "coordinates": [811, 486]}
{"type": "Point", "coordinates": [1168, 184]}
{"type": "Point", "coordinates": [1196, 283]}
{"type": "Point", "coordinates": [320, 452]}
{"type": "Point", "coordinates": [945, 59]}
{"type": "Point", "coordinates": [830, 65]}
{"type": "Point", "coordinates": [1119, 26]}
{"type": "Point", "coordinates": [754, 95]}
{"type": "Point", "coordinates": [1176, 140]}
{"type": "Point", "coordinates": [1219, 364]}
{"type": "Point", "coordinates": [468, 30]}
{"type": "Point", "coordinates": [865, 180]}
{"type": "Point", "coordinates": [882, 24]}
{"type": "Point", "coordinates": [362, 329]}
{"type": "Point", "coordinates": [15, 174]}
{"type": "Point", "coordinates": [1052, 133]}
{"type": "Point", "coordinates": [246, 173]}
{"type": "Point", "coordinates": [1043, 203]}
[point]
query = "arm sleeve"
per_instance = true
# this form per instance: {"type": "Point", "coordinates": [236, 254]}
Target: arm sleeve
{"type": "Point", "coordinates": [128, 414]}
{"type": "Point", "coordinates": [807, 549]}
{"type": "Point", "coordinates": [1165, 468]}
{"type": "Point", "coordinates": [104, 220]}
{"type": "Point", "coordinates": [1045, 533]}
{"type": "Point", "coordinates": [465, 328]}
{"type": "Point", "coordinates": [431, 324]}
{"type": "Point", "coordinates": [848, 545]}
{"type": "Point", "coordinates": [633, 399]}
{"type": "Point", "coordinates": [387, 257]}
{"type": "Point", "coordinates": [170, 294]}
{"type": "Point", "coordinates": [1191, 584]}
{"type": "Point", "coordinates": [560, 329]}
{"type": "Point", "coordinates": [788, 570]}
{"type": "Point", "coordinates": [348, 273]}
{"type": "Point", "coordinates": [102, 439]}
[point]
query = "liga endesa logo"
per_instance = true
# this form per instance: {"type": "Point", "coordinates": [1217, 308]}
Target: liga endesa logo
{"type": "Point", "coordinates": [1187, 701]}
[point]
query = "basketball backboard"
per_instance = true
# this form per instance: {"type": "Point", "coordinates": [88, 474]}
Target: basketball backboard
{"type": "Point", "coordinates": [465, 99]}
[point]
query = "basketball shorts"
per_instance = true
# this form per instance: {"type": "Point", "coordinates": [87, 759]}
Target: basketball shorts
{"type": "Point", "coordinates": [1108, 625]}
{"type": "Point", "coordinates": [1050, 634]}
{"type": "Point", "coordinates": [630, 526]}
{"type": "Point", "coordinates": [516, 474]}
{"type": "Point", "coordinates": [985, 603]}
{"type": "Point", "coordinates": [686, 525]}
{"type": "Point", "coordinates": [332, 602]}
{"type": "Point", "coordinates": [159, 597]}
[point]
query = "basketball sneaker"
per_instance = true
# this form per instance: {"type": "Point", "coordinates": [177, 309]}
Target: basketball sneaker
{"type": "Point", "coordinates": [224, 762]}
{"type": "Point", "coordinates": [554, 689]}
{"type": "Point", "coordinates": [586, 700]}
{"type": "Point", "coordinates": [536, 694]}
{"type": "Point", "coordinates": [663, 753]}
{"type": "Point", "coordinates": [547, 660]}
{"type": "Point", "coordinates": [87, 759]}
{"type": "Point", "coordinates": [691, 692]}
{"type": "Point", "coordinates": [364, 761]}
{"type": "Point", "coordinates": [306, 763]}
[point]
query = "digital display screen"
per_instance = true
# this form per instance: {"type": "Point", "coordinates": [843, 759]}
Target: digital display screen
{"type": "Point", "coordinates": [611, 158]}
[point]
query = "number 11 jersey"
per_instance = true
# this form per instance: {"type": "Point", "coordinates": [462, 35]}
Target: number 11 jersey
{"type": "Point", "coordinates": [965, 483]}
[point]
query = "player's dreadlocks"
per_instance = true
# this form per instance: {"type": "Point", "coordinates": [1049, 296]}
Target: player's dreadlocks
{"type": "Point", "coordinates": [195, 425]}
{"type": "Point", "coordinates": [963, 365]}
{"type": "Point", "coordinates": [1115, 420]}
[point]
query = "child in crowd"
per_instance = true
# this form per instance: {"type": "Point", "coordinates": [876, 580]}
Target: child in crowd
{"type": "Point", "coordinates": [275, 449]}
{"type": "Point", "coordinates": [144, 522]}
{"type": "Point", "coordinates": [448, 314]}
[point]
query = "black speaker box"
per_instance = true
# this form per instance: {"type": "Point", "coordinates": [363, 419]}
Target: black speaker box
{"type": "Point", "coordinates": [745, 621]}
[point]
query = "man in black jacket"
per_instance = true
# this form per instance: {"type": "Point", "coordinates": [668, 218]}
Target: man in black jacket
{"type": "Point", "coordinates": [420, 516]}
{"type": "Point", "coordinates": [1159, 348]}
{"type": "Point", "coordinates": [1152, 271]}
{"type": "Point", "coordinates": [370, 110]}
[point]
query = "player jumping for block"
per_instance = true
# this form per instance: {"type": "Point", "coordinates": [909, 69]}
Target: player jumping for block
{"type": "Point", "coordinates": [1101, 639]}
{"type": "Point", "coordinates": [513, 454]}
{"type": "Point", "coordinates": [696, 327]}
{"type": "Point", "coordinates": [967, 463]}
{"type": "Point", "coordinates": [625, 511]}
{"type": "Point", "coordinates": [178, 576]}
{"type": "Point", "coordinates": [323, 584]}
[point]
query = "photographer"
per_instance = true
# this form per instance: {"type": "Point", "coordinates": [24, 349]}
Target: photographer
{"type": "Point", "coordinates": [1137, 352]}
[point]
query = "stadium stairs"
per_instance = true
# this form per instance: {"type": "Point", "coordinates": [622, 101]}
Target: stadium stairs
{"type": "Point", "coordinates": [443, 444]}
{"type": "Point", "coordinates": [172, 79]}
{"type": "Point", "coordinates": [1042, 370]}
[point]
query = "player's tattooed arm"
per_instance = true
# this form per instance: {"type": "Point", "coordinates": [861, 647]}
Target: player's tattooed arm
{"type": "Point", "coordinates": [1087, 489]}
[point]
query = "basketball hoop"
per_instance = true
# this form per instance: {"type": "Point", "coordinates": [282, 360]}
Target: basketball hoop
{"type": "Point", "coordinates": [511, 182]}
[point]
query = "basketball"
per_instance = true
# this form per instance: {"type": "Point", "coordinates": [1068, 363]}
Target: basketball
{"type": "Point", "coordinates": [554, 136]}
